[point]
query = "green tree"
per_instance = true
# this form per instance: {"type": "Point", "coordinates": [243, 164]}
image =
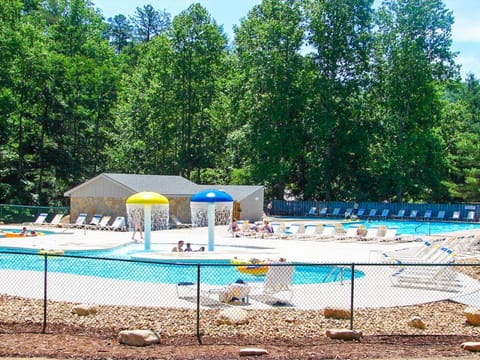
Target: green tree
{"type": "Point", "coordinates": [120, 32]}
{"type": "Point", "coordinates": [270, 97]}
{"type": "Point", "coordinates": [413, 60]}
{"type": "Point", "coordinates": [340, 34]}
{"type": "Point", "coordinates": [149, 22]}
{"type": "Point", "coordinates": [200, 50]}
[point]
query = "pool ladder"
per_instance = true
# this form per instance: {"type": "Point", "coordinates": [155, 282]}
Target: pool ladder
{"type": "Point", "coordinates": [429, 227]}
{"type": "Point", "coordinates": [336, 273]}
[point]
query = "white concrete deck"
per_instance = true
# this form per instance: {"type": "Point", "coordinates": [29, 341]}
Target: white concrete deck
{"type": "Point", "coordinates": [372, 290]}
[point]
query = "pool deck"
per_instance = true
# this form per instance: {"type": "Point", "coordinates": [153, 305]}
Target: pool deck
{"type": "Point", "coordinates": [373, 290]}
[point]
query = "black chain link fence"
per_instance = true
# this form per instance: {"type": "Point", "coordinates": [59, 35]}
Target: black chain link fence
{"type": "Point", "coordinates": [201, 301]}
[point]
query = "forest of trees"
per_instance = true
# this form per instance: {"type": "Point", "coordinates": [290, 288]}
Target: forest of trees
{"type": "Point", "coordinates": [321, 99]}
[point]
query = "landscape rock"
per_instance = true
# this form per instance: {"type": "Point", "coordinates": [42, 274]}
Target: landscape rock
{"type": "Point", "coordinates": [252, 352]}
{"type": "Point", "coordinates": [232, 316]}
{"type": "Point", "coordinates": [344, 334]}
{"type": "Point", "coordinates": [471, 346]}
{"type": "Point", "coordinates": [336, 313]}
{"type": "Point", "coordinates": [84, 310]}
{"type": "Point", "coordinates": [416, 322]}
{"type": "Point", "coordinates": [138, 337]}
{"type": "Point", "coordinates": [473, 315]}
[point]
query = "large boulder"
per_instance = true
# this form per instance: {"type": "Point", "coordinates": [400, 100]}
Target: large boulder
{"type": "Point", "coordinates": [138, 337]}
{"type": "Point", "coordinates": [232, 316]}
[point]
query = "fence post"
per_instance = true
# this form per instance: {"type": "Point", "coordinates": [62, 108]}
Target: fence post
{"type": "Point", "coordinates": [352, 288]}
{"type": "Point", "coordinates": [45, 279]}
{"type": "Point", "coordinates": [198, 305]}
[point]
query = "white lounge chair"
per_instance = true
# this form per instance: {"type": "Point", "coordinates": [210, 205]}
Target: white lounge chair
{"type": "Point", "coordinates": [80, 222]}
{"type": "Point", "coordinates": [40, 220]}
{"type": "Point", "coordinates": [118, 224]}
{"type": "Point", "coordinates": [439, 278]}
{"type": "Point", "coordinates": [310, 230]}
{"type": "Point", "coordinates": [103, 224]}
{"type": "Point", "coordinates": [328, 232]}
{"type": "Point", "coordinates": [278, 280]}
{"type": "Point", "coordinates": [96, 218]}
{"type": "Point", "coordinates": [55, 221]}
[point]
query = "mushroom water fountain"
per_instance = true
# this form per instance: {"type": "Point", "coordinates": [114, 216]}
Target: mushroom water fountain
{"type": "Point", "coordinates": [140, 208]}
{"type": "Point", "coordinates": [212, 207]}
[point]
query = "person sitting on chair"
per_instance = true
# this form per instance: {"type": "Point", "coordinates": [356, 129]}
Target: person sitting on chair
{"type": "Point", "coordinates": [234, 228]}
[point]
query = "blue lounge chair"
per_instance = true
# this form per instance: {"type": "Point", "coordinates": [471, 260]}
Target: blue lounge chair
{"type": "Point", "coordinates": [384, 214]}
{"type": "Point", "coordinates": [441, 215]}
{"type": "Point", "coordinates": [471, 216]}
{"type": "Point", "coordinates": [427, 215]}
{"type": "Point", "coordinates": [323, 211]}
{"type": "Point", "coordinates": [413, 214]}
{"type": "Point", "coordinates": [456, 215]}
{"type": "Point", "coordinates": [400, 214]}
{"type": "Point", "coordinates": [372, 213]}
{"type": "Point", "coordinates": [312, 211]}
{"type": "Point", "coordinates": [335, 212]}
{"type": "Point", "coordinates": [361, 212]}
{"type": "Point", "coordinates": [348, 213]}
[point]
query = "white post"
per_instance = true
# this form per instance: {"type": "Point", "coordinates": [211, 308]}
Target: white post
{"type": "Point", "coordinates": [147, 226]}
{"type": "Point", "coordinates": [211, 226]}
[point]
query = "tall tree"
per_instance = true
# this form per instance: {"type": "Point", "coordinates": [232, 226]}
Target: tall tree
{"type": "Point", "coordinates": [120, 32]}
{"type": "Point", "coordinates": [414, 58]}
{"type": "Point", "coordinates": [149, 22]}
{"type": "Point", "coordinates": [270, 95]}
{"type": "Point", "coordinates": [200, 49]}
{"type": "Point", "coordinates": [339, 31]}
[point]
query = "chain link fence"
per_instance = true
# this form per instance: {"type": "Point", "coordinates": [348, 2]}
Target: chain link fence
{"type": "Point", "coordinates": [216, 302]}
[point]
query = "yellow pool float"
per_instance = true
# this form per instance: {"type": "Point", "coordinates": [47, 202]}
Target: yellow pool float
{"type": "Point", "coordinates": [250, 268]}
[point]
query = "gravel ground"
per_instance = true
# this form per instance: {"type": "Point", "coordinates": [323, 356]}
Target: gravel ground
{"type": "Point", "coordinates": [285, 333]}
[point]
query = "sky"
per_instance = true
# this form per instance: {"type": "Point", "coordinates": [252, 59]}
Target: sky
{"type": "Point", "coordinates": [465, 30]}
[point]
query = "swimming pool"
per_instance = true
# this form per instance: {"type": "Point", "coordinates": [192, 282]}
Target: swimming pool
{"type": "Point", "coordinates": [420, 227]}
{"type": "Point", "coordinates": [102, 264]}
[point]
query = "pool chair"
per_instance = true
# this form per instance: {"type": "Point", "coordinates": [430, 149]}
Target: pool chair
{"type": "Point", "coordinates": [328, 232]}
{"type": "Point", "coordinates": [384, 214]}
{"type": "Point", "coordinates": [372, 213]}
{"type": "Point", "coordinates": [361, 212]}
{"type": "Point", "coordinates": [455, 215]}
{"type": "Point", "coordinates": [348, 213]}
{"type": "Point", "coordinates": [471, 216]}
{"type": "Point", "coordinates": [290, 231]}
{"type": "Point", "coordinates": [56, 221]}
{"type": "Point", "coordinates": [350, 234]}
{"type": "Point", "coordinates": [40, 220]}
{"type": "Point", "coordinates": [80, 222]}
{"type": "Point", "coordinates": [372, 234]}
{"type": "Point", "coordinates": [276, 289]}
{"type": "Point", "coordinates": [323, 212]}
{"type": "Point", "coordinates": [440, 215]}
{"type": "Point", "coordinates": [118, 224]}
{"type": "Point", "coordinates": [439, 278]}
{"type": "Point", "coordinates": [103, 224]}
{"type": "Point", "coordinates": [400, 214]}
{"type": "Point", "coordinates": [335, 212]}
{"type": "Point", "coordinates": [427, 215]}
{"type": "Point", "coordinates": [96, 218]}
{"type": "Point", "coordinates": [413, 214]}
{"type": "Point", "coordinates": [312, 211]}
{"type": "Point", "coordinates": [310, 231]}
{"type": "Point", "coordinates": [389, 235]}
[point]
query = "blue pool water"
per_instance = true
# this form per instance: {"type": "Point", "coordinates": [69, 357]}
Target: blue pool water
{"type": "Point", "coordinates": [420, 227]}
{"type": "Point", "coordinates": [108, 264]}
